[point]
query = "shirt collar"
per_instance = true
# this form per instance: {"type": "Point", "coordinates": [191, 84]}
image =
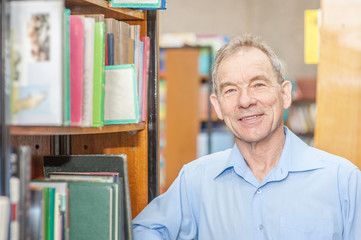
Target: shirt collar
{"type": "Point", "coordinates": [295, 157]}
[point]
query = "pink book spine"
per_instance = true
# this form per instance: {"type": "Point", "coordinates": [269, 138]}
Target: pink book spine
{"type": "Point", "coordinates": [76, 70]}
{"type": "Point", "coordinates": [144, 98]}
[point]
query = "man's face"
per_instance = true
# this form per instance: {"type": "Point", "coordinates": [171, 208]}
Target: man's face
{"type": "Point", "coordinates": [250, 99]}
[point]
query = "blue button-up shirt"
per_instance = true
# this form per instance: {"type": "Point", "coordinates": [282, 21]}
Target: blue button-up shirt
{"type": "Point", "coordinates": [309, 195]}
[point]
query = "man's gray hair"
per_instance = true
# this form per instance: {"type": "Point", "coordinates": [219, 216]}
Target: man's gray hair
{"type": "Point", "coordinates": [245, 41]}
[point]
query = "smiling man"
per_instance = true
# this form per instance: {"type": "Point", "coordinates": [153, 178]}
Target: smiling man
{"type": "Point", "coordinates": [270, 185]}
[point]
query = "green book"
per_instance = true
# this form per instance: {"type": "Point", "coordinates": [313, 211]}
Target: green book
{"type": "Point", "coordinates": [92, 210]}
{"type": "Point", "coordinates": [51, 213]}
{"type": "Point", "coordinates": [99, 77]}
{"type": "Point", "coordinates": [66, 68]}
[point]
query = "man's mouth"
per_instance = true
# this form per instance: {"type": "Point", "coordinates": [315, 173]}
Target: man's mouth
{"type": "Point", "coordinates": [247, 118]}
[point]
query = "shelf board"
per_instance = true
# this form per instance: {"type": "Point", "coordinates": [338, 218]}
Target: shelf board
{"type": "Point", "coordinates": [213, 119]}
{"type": "Point", "coordinates": [205, 77]}
{"type": "Point", "coordinates": [45, 130]}
{"type": "Point", "coordinates": [102, 7]}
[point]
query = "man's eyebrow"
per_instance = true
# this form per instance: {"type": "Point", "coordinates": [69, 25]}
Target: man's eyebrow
{"type": "Point", "coordinates": [261, 77]}
{"type": "Point", "coordinates": [225, 84]}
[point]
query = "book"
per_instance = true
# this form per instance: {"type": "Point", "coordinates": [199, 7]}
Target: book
{"type": "Point", "coordinates": [163, 6]}
{"type": "Point", "coordinates": [121, 95]}
{"type": "Point", "coordinates": [15, 196]}
{"type": "Point", "coordinates": [144, 93]}
{"type": "Point", "coordinates": [140, 79]}
{"type": "Point", "coordinates": [106, 49]}
{"type": "Point", "coordinates": [19, 190]}
{"type": "Point", "coordinates": [50, 217]}
{"type": "Point", "coordinates": [76, 69]}
{"type": "Point", "coordinates": [112, 26]}
{"type": "Point", "coordinates": [97, 163]}
{"type": "Point", "coordinates": [85, 176]}
{"type": "Point", "coordinates": [66, 67]}
{"type": "Point", "coordinates": [110, 48]}
{"type": "Point", "coordinates": [141, 4]}
{"type": "Point", "coordinates": [98, 204]}
{"type": "Point", "coordinates": [88, 71]}
{"type": "Point", "coordinates": [36, 55]}
{"type": "Point", "coordinates": [4, 217]}
{"type": "Point", "coordinates": [36, 211]}
{"type": "Point", "coordinates": [124, 30]}
{"type": "Point", "coordinates": [99, 71]}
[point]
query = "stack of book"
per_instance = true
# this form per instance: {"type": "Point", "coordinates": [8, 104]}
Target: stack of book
{"type": "Point", "coordinates": [81, 197]}
{"type": "Point", "coordinates": [75, 70]}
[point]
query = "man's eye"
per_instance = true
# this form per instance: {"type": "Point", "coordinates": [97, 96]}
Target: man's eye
{"type": "Point", "coordinates": [259, 85]}
{"type": "Point", "coordinates": [230, 90]}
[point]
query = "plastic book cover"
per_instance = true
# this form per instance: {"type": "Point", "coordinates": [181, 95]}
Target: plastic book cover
{"type": "Point", "coordinates": [121, 95]}
{"type": "Point", "coordinates": [36, 59]}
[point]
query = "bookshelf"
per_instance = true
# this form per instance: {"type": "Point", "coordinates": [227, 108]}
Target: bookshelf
{"type": "Point", "coordinates": [182, 96]}
{"type": "Point", "coordinates": [138, 141]}
{"type": "Point", "coordinates": [302, 113]}
{"type": "Point", "coordinates": [187, 108]}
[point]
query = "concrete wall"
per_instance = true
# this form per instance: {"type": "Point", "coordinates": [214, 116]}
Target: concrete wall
{"type": "Point", "coordinates": [279, 22]}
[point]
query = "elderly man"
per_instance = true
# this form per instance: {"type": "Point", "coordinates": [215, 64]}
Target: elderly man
{"type": "Point", "coordinates": [270, 185]}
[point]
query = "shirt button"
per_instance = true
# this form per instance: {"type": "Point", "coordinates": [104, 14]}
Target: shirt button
{"type": "Point", "coordinates": [259, 191]}
{"type": "Point", "coordinates": [260, 227]}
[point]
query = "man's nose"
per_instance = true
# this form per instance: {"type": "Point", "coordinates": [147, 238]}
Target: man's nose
{"type": "Point", "coordinates": [245, 99]}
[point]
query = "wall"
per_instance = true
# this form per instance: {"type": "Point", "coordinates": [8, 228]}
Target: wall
{"type": "Point", "coordinates": [280, 22]}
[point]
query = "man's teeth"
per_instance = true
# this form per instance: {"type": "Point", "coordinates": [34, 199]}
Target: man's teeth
{"type": "Point", "coordinates": [248, 118]}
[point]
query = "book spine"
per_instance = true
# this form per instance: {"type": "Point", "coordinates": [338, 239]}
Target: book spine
{"type": "Point", "coordinates": [66, 67]}
{"type": "Point", "coordinates": [76, 70]}
{"type": "Point", "coordinates": [88, 71]}
{"type": "Point", "coordinates": [4, 217]}
{"type": "Point", "coordinates": [110, 48]}
{"type": "Point", "coordinates": [51, 216]}
{"type": "Point", "coordinates": [99, 71]}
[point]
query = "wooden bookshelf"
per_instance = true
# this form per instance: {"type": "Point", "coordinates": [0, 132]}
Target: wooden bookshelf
{"type": "Point", "coordinates": [129, 139]}
{"type": "Point", "coordinates": [182, 123]}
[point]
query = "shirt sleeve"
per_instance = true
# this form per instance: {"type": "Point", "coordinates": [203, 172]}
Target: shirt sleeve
{"type": "Point", "coordinates": [352, 207]}
{"type": "Point", "coordinates": [169, 216]}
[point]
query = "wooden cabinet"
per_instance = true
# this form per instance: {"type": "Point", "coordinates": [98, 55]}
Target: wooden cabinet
{"type": "Point", "coordinates": [338, 100]}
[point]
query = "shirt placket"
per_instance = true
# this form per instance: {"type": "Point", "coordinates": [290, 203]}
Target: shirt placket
{"type": "Point", "coordinates": [259, 225]}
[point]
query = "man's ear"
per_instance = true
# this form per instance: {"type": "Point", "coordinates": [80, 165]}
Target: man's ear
{"type": "Point", "coordinates": [215, 103]}
{"type": "Point", "coordinates": [287, 94]}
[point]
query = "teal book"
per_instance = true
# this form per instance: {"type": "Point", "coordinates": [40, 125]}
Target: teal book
{"type": "Point", "coordinates": [99, 77]}
{"type": "Point", "coordinates": [92, 210]}
{"type": "Point", "coordinates": [66, 68]}
{"type": "Point", "coordinates": [51, 213]}
{"type": "Point", "coordinates": [143, 4]}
